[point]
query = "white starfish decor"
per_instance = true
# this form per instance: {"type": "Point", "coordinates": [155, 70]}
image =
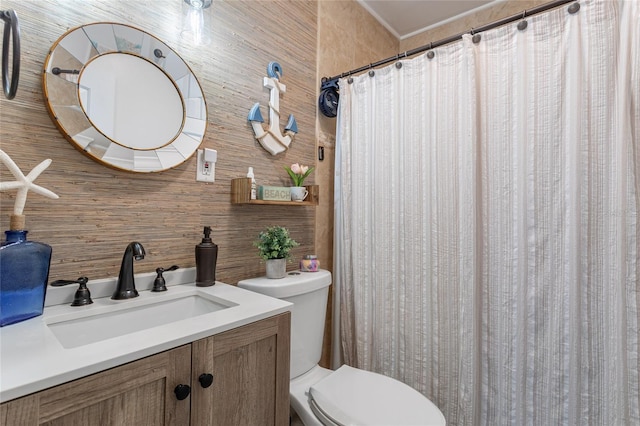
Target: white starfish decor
{"type": "Point", "coordinates": [24, 183]}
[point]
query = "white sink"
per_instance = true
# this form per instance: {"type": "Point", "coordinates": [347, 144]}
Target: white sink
{"type": "Point", "coordinates": [125, 317]}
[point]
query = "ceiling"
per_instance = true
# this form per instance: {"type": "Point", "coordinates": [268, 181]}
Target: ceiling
{"type": "Point", "coordinates": [406, 18]}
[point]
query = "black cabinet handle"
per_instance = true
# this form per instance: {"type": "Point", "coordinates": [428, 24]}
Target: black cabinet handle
{"type": "Point", "coordinates": [182, 391]}
{"type": "Point", "coordinates": [205, 380]}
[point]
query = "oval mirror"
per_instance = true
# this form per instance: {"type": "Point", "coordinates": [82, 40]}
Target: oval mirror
{"type": "Point", "coordinates": [124, 98]}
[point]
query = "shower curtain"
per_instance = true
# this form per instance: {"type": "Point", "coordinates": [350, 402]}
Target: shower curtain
{"type": "Point", "coordinates": [487, 240]}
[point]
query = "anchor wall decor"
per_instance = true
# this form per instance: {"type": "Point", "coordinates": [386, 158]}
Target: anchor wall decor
{"type": "Point", "coordinates": [272, 138]}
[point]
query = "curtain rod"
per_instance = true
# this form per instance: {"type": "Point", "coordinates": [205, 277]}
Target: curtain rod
{"type": "Point", "coordinates": [451, 39]}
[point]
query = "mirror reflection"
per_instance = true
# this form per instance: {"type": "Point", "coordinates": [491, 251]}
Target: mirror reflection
{"type": "Point", "coordinates": [124, 98]}
{"type": "Point", "coordinates": [131, 101]}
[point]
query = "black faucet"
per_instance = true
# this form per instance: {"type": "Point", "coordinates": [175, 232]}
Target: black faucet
{"type": "Point", "coordinates": [126, 288]}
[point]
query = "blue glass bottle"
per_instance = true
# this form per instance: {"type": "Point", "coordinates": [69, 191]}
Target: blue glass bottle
{"type": "Point", "coordinates": [24, 272]}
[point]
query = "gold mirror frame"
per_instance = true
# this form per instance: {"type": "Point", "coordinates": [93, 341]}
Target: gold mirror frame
{"type": "Point", "coordinates": [63, 69]}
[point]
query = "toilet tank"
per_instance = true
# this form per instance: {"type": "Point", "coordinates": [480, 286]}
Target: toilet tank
{"type": "Point", "coordinates": [308, 292]}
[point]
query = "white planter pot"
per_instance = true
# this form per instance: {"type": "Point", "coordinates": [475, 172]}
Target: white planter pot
{"type": "Point", "coordinates": [276, 268]}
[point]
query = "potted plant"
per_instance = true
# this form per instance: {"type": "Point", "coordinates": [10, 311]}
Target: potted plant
{"type": "Point", "coordinates": [274, 246]}
{"type": "Point", "coordinates": [298, 174]}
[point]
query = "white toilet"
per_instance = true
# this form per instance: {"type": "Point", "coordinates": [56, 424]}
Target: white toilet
{"type": "Point", "coordinates": [346, 396]}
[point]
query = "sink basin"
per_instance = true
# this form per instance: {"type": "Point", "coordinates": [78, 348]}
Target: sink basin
{"type": "Point", "coordinates": [117, 320]}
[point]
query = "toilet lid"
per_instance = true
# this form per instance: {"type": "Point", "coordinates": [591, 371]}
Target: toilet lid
{"type": "Point", "coordinates": [350, 396]}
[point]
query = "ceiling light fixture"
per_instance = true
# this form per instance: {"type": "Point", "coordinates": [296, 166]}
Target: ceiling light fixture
{"type": "Point", "coordinates": [196, 22]}
{"type": "Point", "coordinates": [198, 4]}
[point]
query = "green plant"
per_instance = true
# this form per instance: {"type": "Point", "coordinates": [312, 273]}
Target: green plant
{"type": "Point", "coordinates": [298, 173]}
{"type": "Point", "coordinates": [275, 243]}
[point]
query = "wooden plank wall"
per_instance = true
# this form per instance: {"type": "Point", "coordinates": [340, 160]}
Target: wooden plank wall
{"type": "Point", "coordinates": [101, 210]}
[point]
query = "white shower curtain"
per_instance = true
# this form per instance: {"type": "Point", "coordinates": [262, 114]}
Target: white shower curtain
{"type": "Point", "coordinates": [487, 240]}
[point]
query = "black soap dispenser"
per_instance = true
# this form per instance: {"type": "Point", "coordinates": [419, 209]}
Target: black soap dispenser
{"type": "Point", "coordinates": [206, 258]}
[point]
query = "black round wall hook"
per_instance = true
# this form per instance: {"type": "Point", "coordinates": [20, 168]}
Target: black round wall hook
{"type": "Point", "coordinates": [11, 33]}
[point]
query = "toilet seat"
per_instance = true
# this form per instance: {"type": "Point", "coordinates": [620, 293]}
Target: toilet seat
{"type": "Point", "coordinates": [350, 396]}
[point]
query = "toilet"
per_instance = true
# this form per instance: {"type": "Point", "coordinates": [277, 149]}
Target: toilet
{"type": "Point", "coordinates": [346, 396]}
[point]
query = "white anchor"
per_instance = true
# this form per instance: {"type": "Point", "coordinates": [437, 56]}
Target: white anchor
{"type": "Point", "coordinates": [272, 139]}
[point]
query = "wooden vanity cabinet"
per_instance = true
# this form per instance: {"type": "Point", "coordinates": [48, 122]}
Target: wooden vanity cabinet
{"type": "Point", "coordinates": [137, 393]}
{"type": "Point", "coordinates": [250, 386]}
{"type": "Point", "coordinates": [250, 366]}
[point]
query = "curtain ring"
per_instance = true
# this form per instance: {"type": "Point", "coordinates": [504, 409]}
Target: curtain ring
{"type": "Point", "coordinates": [350, 80]}
{"type": "Point", "coordinates": [371, 71]}
{"type": "Point", "coordinates": [475, 37]}
{"type": "Point", "coordinates": [574, 8]}
{"type": "Point", "coordinates": [430, 53]}
{"type": "Point", "coordinates": [522, 25]}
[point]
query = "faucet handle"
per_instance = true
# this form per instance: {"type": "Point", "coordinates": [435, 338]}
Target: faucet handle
{"type": "Point", "coordinates": [159, 283]}
{"type": "Point", "coordinates": [82, 296]}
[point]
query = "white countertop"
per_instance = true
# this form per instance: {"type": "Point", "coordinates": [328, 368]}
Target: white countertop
{"type": "Point", "coordinates": [32, 358]}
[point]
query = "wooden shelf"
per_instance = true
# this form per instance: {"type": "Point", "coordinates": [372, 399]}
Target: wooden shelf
{"type": "Point", "coordinates": [241, 194]}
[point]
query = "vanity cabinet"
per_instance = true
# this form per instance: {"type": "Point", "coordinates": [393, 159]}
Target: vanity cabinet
{"type": "Point", "coordinates": [249, 366]}
{"type": "Point", "coordinates": [138, 393]}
